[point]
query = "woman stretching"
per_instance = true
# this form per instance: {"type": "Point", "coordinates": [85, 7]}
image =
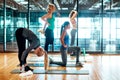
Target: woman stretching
{"type": "Point", "coordinates": [72, 17]}
{"type": "Point", "coordinates": [64, 38]}
{"type": "Point", "coordinates": [49, 20]}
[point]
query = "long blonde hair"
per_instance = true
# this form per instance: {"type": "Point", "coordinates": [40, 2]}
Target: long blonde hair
{"type": "Point", "coordinates": [51, 6]}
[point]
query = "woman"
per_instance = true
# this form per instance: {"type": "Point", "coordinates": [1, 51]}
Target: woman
{"type": "Point", "coordinates": [74, 50]}
{"type": "Point", "coordinates": [72, 17]}
{"type": "Point", "coordinates": [49, 19]}
{"type": "Point", "coordinates": [23, 34]}
{"type": "Point", "coordinates": [64, 38]}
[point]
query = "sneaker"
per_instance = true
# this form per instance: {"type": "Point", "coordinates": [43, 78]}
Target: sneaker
{"type": "Point", "coordinates": [27, 68]}
{"type": "Point", "coordinates": [79, 64]}
{"type": "Point", "coordinates": [28, 73]}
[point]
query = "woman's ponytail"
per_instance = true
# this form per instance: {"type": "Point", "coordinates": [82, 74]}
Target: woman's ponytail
{"type": "Point", "coordinates": [66, 23]}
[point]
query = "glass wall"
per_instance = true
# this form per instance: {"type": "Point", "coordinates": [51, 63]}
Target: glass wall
{"type": "Point", "coordinates": [111, 18]}
{"type": "Point", "coordinates": [98, 23]}
{"type": "Point", "coordinates": [1, 27]}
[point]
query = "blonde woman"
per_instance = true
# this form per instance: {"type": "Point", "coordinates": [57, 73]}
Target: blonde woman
{"type": "Point", "coordinates": [23, 34]}
{"type": "Point", "coordinates": [49, 19]}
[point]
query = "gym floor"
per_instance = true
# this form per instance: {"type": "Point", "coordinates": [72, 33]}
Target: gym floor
{"type": "Point", "coordinates": [100, 66]}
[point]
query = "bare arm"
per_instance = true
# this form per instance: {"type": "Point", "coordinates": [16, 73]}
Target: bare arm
{"type": "Point", "coordinates": [46, 61]}
{"type": "Point", "coordinates": [74, 15]}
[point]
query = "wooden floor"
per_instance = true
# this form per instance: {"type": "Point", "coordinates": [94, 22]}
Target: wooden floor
{"type": "Point", "coordinates": [101, 67]}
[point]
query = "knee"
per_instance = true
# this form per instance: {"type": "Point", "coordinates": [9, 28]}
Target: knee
{"type": "Point", "coordinates": [69, 50]}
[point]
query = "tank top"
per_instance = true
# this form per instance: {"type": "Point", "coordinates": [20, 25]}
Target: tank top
{"type": "Point", "coordinates": [66, 41]}
{"type": "Point", "coordinates": [74, 24]}
{"type": "Point", "coordinates": [51, 22]}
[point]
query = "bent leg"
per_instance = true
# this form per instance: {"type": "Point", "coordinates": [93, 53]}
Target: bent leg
{"type": "Point", "coordinates": [76, 50]}
{"type": "Point", "coordinates": [63, 56]}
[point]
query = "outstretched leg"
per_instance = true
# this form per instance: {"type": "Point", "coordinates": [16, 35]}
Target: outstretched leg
{"type": "Point", "coordinates": [20, 43]}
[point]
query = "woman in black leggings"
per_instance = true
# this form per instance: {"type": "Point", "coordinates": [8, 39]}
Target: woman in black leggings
{"type": "Point", "coordinates": [23, 34]}
{"type": "Point", "coordinates": [49, 26]}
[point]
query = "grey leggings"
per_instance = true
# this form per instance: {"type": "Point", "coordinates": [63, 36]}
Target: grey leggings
{"type": "Point", "coordinates": [76, 50]}
{"type": "Point", "coordinates": [73, 32]}
{"type": "Point", "coordinates": [63, 51]}
{"type": "Point", "coordinates": [63, 56]}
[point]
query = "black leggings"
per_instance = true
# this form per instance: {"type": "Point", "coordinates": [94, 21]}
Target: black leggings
{"type": "Point", "coordinates": [21, 41]}
{"type": "Point", "coordinates": [49, 34]}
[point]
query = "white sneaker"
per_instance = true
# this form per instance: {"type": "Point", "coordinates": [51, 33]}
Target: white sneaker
{"type": "Point", "coordinates": [28, 73]}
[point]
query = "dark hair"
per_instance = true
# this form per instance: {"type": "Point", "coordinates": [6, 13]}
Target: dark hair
{"type": "Point", "coordinates": [66, 23]}
{"type": "Point", "coordinates": [72, 14]}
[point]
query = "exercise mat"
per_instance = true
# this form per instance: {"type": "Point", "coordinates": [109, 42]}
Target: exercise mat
{"type": "Point", "coordinates": [41, 71]}
{"type": "Point", "coordinates": [51, 65]}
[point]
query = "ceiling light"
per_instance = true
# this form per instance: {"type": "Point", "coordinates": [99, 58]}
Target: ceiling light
{"type": "Point", "coordinates": [64, 8]}
{"type": "Point", "coordinates": [24, 2]}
